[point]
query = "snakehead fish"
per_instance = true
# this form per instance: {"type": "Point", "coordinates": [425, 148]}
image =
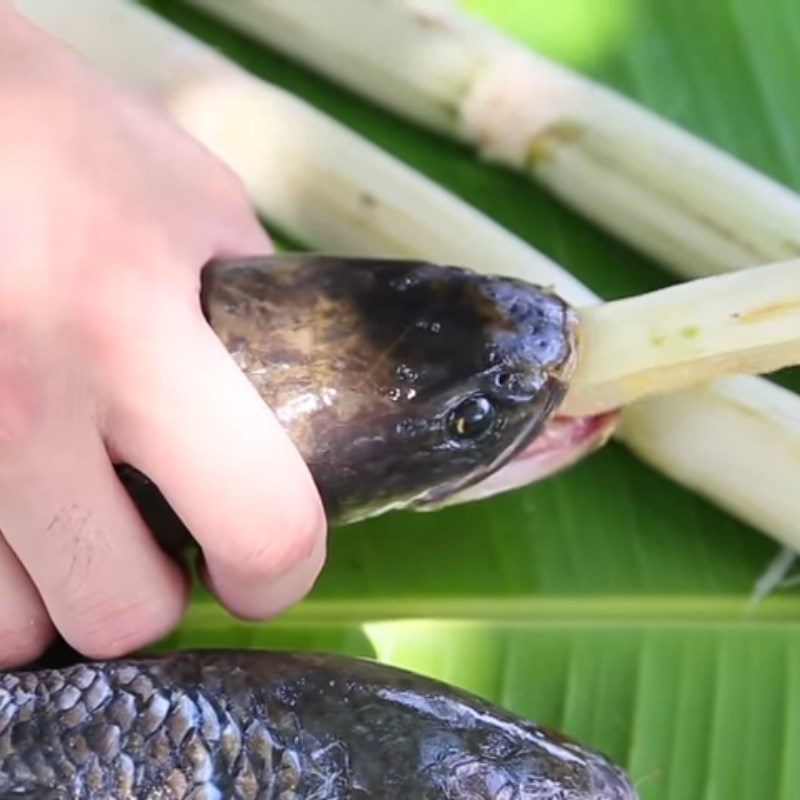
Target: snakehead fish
{"type": "Point", "coordinates": [253, 725]}
{"type": "Point", "coordinates": [401, 383]}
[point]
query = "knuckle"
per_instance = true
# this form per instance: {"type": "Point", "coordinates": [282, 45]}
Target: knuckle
{"type": "Point", "coordinates": [21, 414]}
{"type": "Point", "coordinates": [240, 219]}
{"type": "Point", "coordinates": [74, 535]}
{"type": "Point", "coordinates": [227, 181]}
{"type": "Point", "coordinates": [302, 583]}
{"type": "Point", "coordinates": [112, 629]}
{"type": "Point", "coordinates": [117, 312]}
{"type": "Point", "coordinates": [22, 404]}
{"type": "Point", "coordinates": [101, 618]}
{"type": "Point", "coordinates": [290, 545]}
{"type": "Point", "coordinates": [103, 320]}
{"type": "Point", "coordinates": [25, 643]}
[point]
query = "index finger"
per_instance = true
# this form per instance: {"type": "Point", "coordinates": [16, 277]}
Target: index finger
{"type": "Point", "coordinates": [228, 469]}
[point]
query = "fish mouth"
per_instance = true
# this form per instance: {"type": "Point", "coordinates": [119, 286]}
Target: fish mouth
{"type": "Point", "coordinates": [562, 442]}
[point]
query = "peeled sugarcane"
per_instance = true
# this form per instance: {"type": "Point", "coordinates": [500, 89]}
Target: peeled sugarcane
{"type": "Point", "coordinates": [744, 322]}
{"type": "Point", "coordinates": [324, 185]}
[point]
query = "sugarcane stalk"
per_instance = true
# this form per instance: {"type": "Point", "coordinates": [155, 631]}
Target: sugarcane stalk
{"type": "Point", "coordinates": [663, 190]}
{"type": "Point", "coordinates": [328, 187]}
{"type": "Point", "coordinates": [744, 322]}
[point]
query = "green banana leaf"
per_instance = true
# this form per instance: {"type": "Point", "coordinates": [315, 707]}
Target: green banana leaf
{"type": "Point", "coordinates": [607, 602]}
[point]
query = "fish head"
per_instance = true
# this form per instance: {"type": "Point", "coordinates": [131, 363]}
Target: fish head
{"type": "Point", "coordinates": [442, 743]}
{"type": "Point", "coordinates": [532, 764]}
{"type": "Point", "coordinates": [407, 736]}
{"type": "Point", "coordinates": [460, 373]}
{"type": "Point", "coordinates": [404, 384]}
{"type": "Point", "coordinates": [497, 758]}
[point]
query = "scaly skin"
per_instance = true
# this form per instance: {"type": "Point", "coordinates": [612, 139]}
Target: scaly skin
{"type": "Point", "coordinates": [276, 726]}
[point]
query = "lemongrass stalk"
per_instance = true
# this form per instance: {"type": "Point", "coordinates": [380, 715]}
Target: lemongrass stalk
{"type": "Point", "coordinates": [331, 188]}
{"type": "Point", "coordinates": [664, 191]}
{"type": "Point", "coordinates": [692, 436]}
{"type": "Point", "coordinates": [309, 175]}
{"type": "Point", "coordinates": [744, 322]}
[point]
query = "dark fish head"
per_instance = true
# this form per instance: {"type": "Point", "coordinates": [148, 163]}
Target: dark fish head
{"type": "Point", "coordinates": [429, 740]}
{"type": "Point", "coordinates": [468, 749]}
{"type": "Point", "coordinates": [400, 382]}
{"type": "Point", "coordinates": [513, 763]}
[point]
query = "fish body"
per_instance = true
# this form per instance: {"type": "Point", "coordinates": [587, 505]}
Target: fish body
{"type": "Point", "coordinates": [276, 726]}
{"type": "Point", "coordinates": [400, 382]}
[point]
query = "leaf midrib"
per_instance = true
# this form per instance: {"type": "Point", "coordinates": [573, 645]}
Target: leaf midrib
{"type": "Point", "coordinates": [688, 610]}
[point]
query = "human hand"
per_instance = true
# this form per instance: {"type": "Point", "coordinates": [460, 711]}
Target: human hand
{"type": "Point", "coordinates": [107, 215]}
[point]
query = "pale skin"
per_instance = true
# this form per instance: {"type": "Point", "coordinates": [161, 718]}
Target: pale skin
{"type": "Point", "coordinates": [108, 214]}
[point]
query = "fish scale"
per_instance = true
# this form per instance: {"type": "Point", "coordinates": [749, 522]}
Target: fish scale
{"type": "Point", "coordinates": [98, 711]}
{"type": "Point", "coordinates": [256, 725]}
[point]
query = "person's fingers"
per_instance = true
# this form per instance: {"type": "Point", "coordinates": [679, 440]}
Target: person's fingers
{"type": "Point", "coordinates": [231, 225]}
{"type": "Point", "coordinates": [107, 587]}
{"type": "Point", "coordinates": [199, 430]}
{"type": "Point", "coordinates": [25, 628]}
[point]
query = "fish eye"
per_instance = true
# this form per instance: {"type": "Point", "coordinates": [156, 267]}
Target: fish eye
{"type": "Point", "coordinates": [471, 418]}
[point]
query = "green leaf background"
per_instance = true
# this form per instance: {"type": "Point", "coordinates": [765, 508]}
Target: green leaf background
{"type": "Point", "coordinates": [608, 601]}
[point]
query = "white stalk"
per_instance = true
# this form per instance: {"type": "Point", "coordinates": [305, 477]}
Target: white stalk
{"type": "Point", "coordinates": [308, 174]}
{"type": "Point", "coordinates": [737, 439]}
{"type": "Point", "coordinates": [740, 323]}
{"type": "Point", "coordinates": [663, 190]}
{"type": "Point", "coordinates": [330, 188]}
